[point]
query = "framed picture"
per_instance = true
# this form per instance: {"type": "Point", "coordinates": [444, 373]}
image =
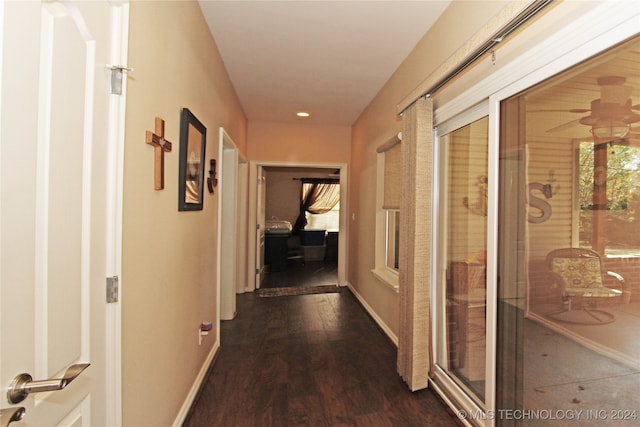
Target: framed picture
{"type": "Point", "coordinates": [193, 138]}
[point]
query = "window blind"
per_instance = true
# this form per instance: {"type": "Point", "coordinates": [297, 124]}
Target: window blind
{"type": "Point", "coordinates": [392, 172]}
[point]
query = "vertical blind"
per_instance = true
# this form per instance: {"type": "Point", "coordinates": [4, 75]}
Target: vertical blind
{"type": "Point", "coordinates": [415, 245]}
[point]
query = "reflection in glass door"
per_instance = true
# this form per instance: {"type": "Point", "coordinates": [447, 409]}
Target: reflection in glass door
{"type": "Point", "coordinates": [569, 247]}
{"type": "Point", "coordinates": [461, 302]}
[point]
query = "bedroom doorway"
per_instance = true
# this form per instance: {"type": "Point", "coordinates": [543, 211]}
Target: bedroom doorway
{"type": "Point", "coordinates": [310, 254]}
{"type": "Point", "coordinates": [302, 223]}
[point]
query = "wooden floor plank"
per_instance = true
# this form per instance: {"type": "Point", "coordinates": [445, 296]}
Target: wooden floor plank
{"type": "Point", "coordinates": [309, 360]}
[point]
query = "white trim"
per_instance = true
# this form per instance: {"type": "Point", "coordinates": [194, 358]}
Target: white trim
{"type": "Point", "coordinates": [491, 311]}
{"type": "Point", "coordinates": [453, 393]}
{"type": "Point", "coordinates": [453, 406]}
{"type": "Point", "coordinates": [470, 115]}
{"type": "Point", "coordinates": [380, 231]}
{"type": "Point", "coordinates": [195, 387]}
{"type": "Point", "coordinates": [381, 271]}
{"type": "Point", "coordinates": [226, 233]}
{"type": "Point", "coordinates": [256, 267]}
{"type": "Point", "coordinates": [87, 157]}
{"type": "Point", "coordinates": [438, 292]}
{"type": "Point", "coordinates": [385, 328]}
{"type": "Point", "coordinates": [387, 276]}
{"type": "Point", "coordinates": [437, 327]}
{"type": "Point", "coordinates": [115, 189]}
{"type": "Point", "coordinates": [242, 213]}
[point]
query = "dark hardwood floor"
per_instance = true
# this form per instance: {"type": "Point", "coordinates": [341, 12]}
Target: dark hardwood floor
{"type": "Point", "coordinates": [310, 273]}
{"type": "Point", "coordinates": [309, 360]}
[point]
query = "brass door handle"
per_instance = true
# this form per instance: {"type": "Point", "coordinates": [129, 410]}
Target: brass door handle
{"type": "Point", "coordinates": [9, 415]}
{"type": "Point", "coordinates": [23, 384]}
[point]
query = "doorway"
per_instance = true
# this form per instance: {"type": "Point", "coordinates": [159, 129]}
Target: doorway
{"type": "Point", "coordinates": [283, 257]}
{"type": "Point", "coordinates": [301, 244]}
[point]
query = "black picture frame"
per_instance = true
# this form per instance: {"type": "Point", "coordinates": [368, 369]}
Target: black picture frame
{"type": "Point", "coordinates": [193, 141]}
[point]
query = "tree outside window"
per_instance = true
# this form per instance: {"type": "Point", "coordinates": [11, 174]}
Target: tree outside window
{"type": "Point", "coordinates": [621, 178]}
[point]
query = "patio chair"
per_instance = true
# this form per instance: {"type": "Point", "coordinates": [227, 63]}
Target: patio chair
{"type": "Point", "coordinates": [579, 275]}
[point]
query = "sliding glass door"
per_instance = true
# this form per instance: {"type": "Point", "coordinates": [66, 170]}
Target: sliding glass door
{"type": "Point", "coordinates": [536, 274]}
{"type": "Point", "coordinates": [569, 246]}
{"type": "Point", "coordinates": [462, 289]}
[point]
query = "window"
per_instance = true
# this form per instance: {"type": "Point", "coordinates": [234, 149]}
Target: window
{"type": "Point", "coordinates": [389, 167]}
{"type": "Point", "coordinates": [392, 238]}
{"type": "Point", "coordinates": [318, 197]}
{"type": "Point", "coordinates": [613, 170]}
{"type": "Point", "coordinates": [325, 221]}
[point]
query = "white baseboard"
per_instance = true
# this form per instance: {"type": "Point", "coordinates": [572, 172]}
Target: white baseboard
{"type": "Point", "coordinates": [193, 393]}
{"type": "Point", "coordinates": [374, 315]}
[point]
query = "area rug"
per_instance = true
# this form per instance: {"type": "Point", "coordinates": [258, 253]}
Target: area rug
{"type": "Point", "coordinates": [300, 290]}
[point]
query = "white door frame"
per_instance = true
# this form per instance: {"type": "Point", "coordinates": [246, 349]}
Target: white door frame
{"type": "Point", "coordinates": [260, 199]}
{"type": "Point", "coordinates": [230, 226]}
{"type": "Point", "coordinates": [254, 205]}
{"type": "Point", "coordinates": [113, 333]}
{"type": "Point", "coordinates": [243, 223]}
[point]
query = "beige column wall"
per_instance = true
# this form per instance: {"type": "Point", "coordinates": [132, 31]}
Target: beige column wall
{"type": "Point", "coordinates": [168, 271]}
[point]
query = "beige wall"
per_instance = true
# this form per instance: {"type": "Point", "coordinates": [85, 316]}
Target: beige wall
{"type": "Point", "coordinates": [168, 272]}
{"type": "Point", "coordinates": [298, 143]}
{"type": "Point", "coordinates": [283, 195]}
{"type": "Point", "coordinates": [377, 124]}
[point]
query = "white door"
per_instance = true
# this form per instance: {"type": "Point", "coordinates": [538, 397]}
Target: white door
{"type": "Point", "coordinates": [61, 135]}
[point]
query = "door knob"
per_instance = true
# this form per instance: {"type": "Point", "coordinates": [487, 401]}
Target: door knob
{"type": "Point", "coordinates": [23, 384]}
{"type": "Point", "coordinates": [9, 415]}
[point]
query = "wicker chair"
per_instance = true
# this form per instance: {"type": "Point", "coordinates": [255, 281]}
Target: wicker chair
{"type": "Point", "coordinates": [579, 275]}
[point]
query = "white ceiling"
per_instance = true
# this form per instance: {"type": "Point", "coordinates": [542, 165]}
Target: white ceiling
{"type": "Point", "coordinates": [329, 58]}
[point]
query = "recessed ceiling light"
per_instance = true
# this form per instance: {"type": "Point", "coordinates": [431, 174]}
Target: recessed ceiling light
{"type": "Point", "coordinates": [302, 114]}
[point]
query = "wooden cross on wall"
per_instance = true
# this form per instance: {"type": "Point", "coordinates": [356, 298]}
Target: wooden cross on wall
{"type": "Point", "coordinates": [160, 146]}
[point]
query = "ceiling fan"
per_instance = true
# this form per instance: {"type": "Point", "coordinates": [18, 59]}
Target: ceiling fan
{"type": "Point", "coordinates": [610, 116]}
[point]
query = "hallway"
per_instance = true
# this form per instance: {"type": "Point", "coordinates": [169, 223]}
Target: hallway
{"type": "Point", "coordinates": [310, 360]}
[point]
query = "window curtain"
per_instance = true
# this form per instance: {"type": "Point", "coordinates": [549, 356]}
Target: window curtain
{"type": "Point", "coordinates": [414, 335]}
{"type": "Point", "coordinates": [316, 198]}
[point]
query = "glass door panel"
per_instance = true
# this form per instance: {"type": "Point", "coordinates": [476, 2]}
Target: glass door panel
{"type": "Point", "coordinates": [462, 254]}
{"type": "Point", "coordinates": [569, 203]}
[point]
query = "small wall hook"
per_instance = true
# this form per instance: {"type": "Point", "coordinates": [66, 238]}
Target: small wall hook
{"type": "Point", "coordinates": [212, 181]}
